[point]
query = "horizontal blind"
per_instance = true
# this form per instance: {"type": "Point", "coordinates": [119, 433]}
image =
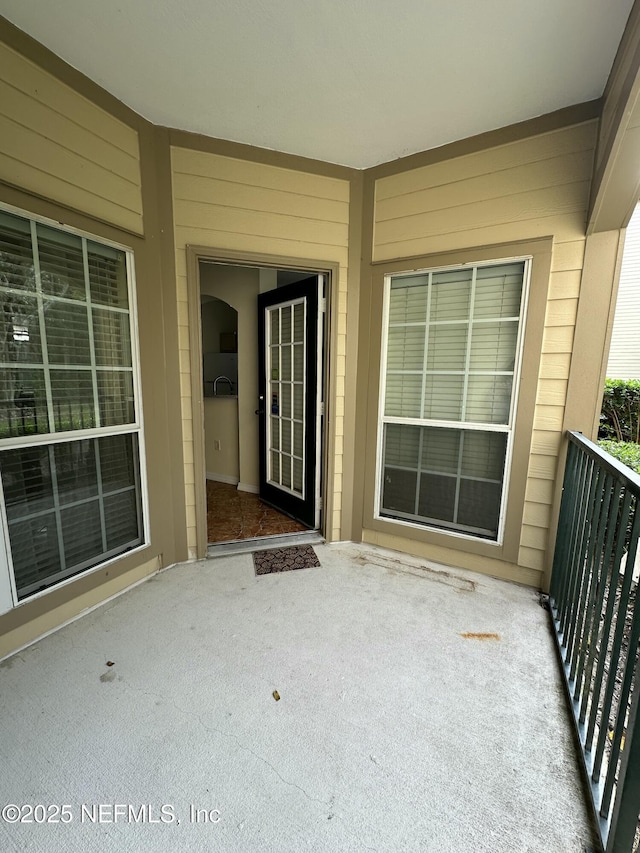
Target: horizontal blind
{"type": "Point", "coordinates": [66, 365]}
{"type": "Point", "coordinates": [451, 352]}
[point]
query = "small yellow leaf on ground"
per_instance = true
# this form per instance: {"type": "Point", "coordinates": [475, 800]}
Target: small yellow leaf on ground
{"type": "Point", "coordinates": [470, 635]}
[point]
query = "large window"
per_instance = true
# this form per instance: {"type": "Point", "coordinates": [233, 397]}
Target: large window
{"type": "Point", "coordinates": [69, 414]}
{"type": "Point", "coordinates": [450, 368]}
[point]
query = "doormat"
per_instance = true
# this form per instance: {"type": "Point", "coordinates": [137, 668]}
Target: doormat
{"type": "Point", "coordinates": [285, 559]}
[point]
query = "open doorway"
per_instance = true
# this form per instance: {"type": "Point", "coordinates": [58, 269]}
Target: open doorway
{"type": "Point", "coordinates": [263, 376]}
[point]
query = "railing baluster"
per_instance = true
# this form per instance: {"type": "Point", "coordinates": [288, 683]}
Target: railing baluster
{"type": "Point", "coordinates": [579, 556]}
{"type": "Point", "coordinates": [629, 669]}
{"type": "Point", "coordinates": [613, 498]}
{"type": "Point", "coordinates": [624, 820]}
{"type": "Point", "coordinates": [615, 654]}
{"type": "Point", "coordinates": [608, 617]}
{"type": "Point", "coordinates": [588, 583]}
{"type": "Point", "coordinates": [597, 629]}
{"type": "Point", "coordinates": [575, 536]}
{"type": "Point", "coordinates": [559, 572]}
{"type": "Point", "coordinates": [590, 628]}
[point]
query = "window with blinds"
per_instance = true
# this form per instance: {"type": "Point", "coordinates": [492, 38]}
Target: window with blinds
{"type": "Point", "coordinates": [69, 420]}
{"type": "Point", "coordinates": [450, 368]}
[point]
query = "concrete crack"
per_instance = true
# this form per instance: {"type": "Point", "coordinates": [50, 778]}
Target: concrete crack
{"type": "Point", "coordinates": [264, 761]}
{"type": "Point", "coordinates": [230, 736]}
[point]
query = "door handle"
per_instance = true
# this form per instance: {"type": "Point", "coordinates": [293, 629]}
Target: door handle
{"type": "Point", "coordinates": [260, 410]}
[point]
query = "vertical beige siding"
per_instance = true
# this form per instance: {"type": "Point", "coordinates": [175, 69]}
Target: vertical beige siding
{"type": "Point", "coordinates": [241, 206]}
{"type": "Point", "coordinates": [535, 187]}
{"type": "Point", "coordinates": [59, 145]}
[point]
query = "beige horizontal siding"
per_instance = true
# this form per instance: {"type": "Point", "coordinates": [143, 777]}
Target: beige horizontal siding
{"type": "Point", "coordinates": [551, 392]}
{"type": "Point", "coordinates": [555, 365]}
{"type": "Point", "coordinates": [59, 145]}
{"type": "Point", "coordinates": [532, 188]}
{"type": "Point", "coordinates": [546, 442]}
{"type": "Point", "coordinates": [241, 206]}
{"type": "Point", "coordinates": [565, 284]}
{"type": "Point", "coordinates": [568, 256]}
{"type": "Point", "coordinates": [535, 206]}
{"type": "Point", "coordinates": [536, 187]}
{"type": "Point", "coordinates": [492, 160]}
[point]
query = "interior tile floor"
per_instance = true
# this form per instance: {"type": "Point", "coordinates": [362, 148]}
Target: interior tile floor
{"type": "Point", "coordinates": [232, 514]}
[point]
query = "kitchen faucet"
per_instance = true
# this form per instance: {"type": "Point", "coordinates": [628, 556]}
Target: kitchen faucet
{"type": "Point", "coordinates": [222, 379]}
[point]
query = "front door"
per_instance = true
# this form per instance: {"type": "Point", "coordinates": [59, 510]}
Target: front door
{"type": "Point", "coordinates": [289, 341]}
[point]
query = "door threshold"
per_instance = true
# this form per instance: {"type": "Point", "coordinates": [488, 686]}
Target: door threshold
{"type": "Point", "coordinates": [263, 543]}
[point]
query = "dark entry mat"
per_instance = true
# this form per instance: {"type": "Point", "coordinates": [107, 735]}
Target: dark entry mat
{"type": "Point", "coordinates": [285, 559]}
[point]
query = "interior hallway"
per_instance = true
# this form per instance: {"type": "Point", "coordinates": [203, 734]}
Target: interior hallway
{"type": "Point", "coordinates": [232, 514]}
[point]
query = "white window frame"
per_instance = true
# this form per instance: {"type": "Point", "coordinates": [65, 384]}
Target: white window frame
{"type": "Point", "coordinates": [508, 429]}
{"type": "Point", "coordinates": [8, 590]}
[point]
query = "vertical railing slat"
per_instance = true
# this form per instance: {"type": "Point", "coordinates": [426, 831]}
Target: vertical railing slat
{"type": "Point", "coordinates": [615, 654]}
{"type": "Point", "coordinates": [576, 537]}
{"type": "Point", "coordinates": [613, 505]}
{"type": "Point", "coordinates": [559, 571]}
{"type": "Point", "coordinates": [628, 670]}
{"type": "Point", "coordinates": [590, 625]}
{"type": "Point", "coordinates": [586, 592]}
{"type": "Point", "coordinates": [597, 630]}
{"type": "Point", "coordinates": [624, 820]}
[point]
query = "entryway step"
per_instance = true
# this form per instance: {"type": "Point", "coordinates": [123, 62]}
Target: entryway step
{"type": "Point", "coordinates": [262, 543]}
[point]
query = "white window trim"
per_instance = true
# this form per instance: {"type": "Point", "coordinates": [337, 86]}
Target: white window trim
{"type": "Point", "coordinates": [509, 428]}
{"type": "Point", "coordinates": [8, 592]}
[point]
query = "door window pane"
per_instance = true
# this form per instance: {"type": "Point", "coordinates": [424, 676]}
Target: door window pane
{"type": "Point", "coordinates": [285, 351]}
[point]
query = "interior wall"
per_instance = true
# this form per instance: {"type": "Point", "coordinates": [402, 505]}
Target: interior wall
{"type": "Point", "coordinates": [217, 318]}
{"type": "Point", "coordinates": [529, 188]}
{"type": "Point", "coordinates": [246, 206]}
{"type": "Point", "coordinates": [238, 287]}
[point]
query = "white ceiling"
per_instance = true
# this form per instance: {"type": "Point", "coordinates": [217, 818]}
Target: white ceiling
{"type": "Point", "coordinates": [355, 82]}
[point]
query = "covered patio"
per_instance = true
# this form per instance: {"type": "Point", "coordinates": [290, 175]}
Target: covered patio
{"type": "Point", "coordinates": [420, 708]}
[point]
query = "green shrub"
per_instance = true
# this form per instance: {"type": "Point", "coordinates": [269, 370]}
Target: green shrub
{"type": "Point", "coordinates": [627, 452]}
{"type": "Point", "coordinates": [620, 417]}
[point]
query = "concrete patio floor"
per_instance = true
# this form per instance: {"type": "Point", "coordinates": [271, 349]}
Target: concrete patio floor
{"type": "Point", "coordinates": [393, 732]}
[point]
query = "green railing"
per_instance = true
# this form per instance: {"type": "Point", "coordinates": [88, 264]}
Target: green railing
{"type": "Point", "coordinates": [597, 626]}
